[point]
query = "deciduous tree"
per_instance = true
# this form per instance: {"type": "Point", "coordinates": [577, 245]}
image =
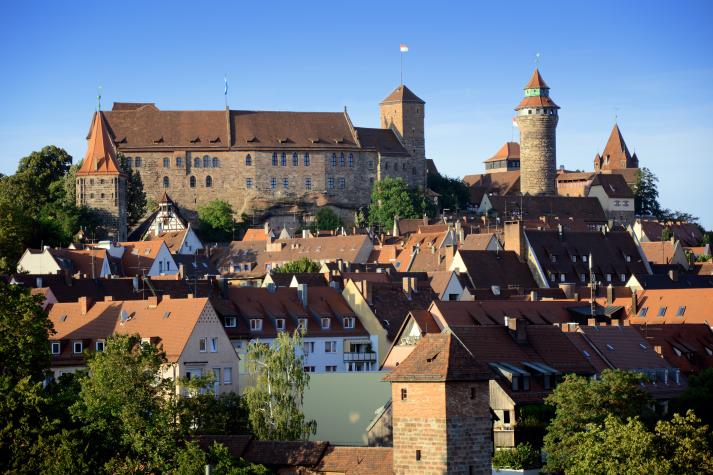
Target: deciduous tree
{"type": "Point", "coordinates": [389, 198]}
{"type": "Point", "coordinates": [135, 196]}
{"type": "Point", "coordinates": [301, 265]}
{"type": "Point", "coordinates": [216, 221]}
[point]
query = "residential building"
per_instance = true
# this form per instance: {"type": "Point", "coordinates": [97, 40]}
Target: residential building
{"type": "Point", "coordinates": [166, 218]}
{"type": "Point", "coordinates": [506, 159]}
{"type": "Point", "coordinates": [688, 346]}
{"type": "Point", "coordinates": [149, 258]}
{"type": "Point", "coordinates": [547, 212]}
{"type": "Point", "coordinates": [188, 331]}
{"type": "Point", "coordinates": [665, 252]}
{"type": "Point", "coordinates": [615, 197]}
{"type": "Point", "coordinates": [94, 263]}
{"type": "Point", "coordinates": [689, 234]}
{"type": "Point", "coordinates": [493, 270]}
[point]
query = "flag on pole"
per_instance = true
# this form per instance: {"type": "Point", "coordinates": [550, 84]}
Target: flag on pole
{"type": "Point", "coordinates": [590, 262]}
{"type": "Point", "coordinates": [403, 48]}
{"type": "Point", "coordinates": [514, 122]}
{"type": "Point", "coordinates": [226, 84]}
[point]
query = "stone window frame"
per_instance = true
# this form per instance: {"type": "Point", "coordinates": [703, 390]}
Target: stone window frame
{"type": "Point", "coordinates": [307, 159]}
{"type": "Point", "coordinates": [137, 162]}
{"type": "Point", "coordinates": [166, 182]}
{"type": "Point", "coordinates": [179, 162]}
{"type": "Point", "coordinates": [249, 183]}
{"type": "Point", "coordinates": [308, 183]}
{"type": "Point", "coordinates": [351, 160]}
{"type": "Point", "coordinates": [166, 162]}
{"type": "Point", "coordinates": [283, 159]}
{"type": "Point", "coordinates": [192, 181]}
{"type": "Point", "coordinates": [341, 159]}
{"type": "Point", "coordinates": [273, 183]}
{"type": "Point", "coordinates": [295, 159]}
{"type": "Point", "coordinates": [197, 162]}
{"type": "Point", "coordinates": [248, 160]}
{"type": "Point", "coordinates": [216, 162]}
{"type": "Point", "coordinates": [274, 159]}
{"type": "Point", "coordinates": [341, 183]}
{"type": "Point", "coordinates": [208, 181]}
{"type": "Point", "coordinates": [334, 159]}
{"type": "Point", "coordinates": [330, 183]}
{"type": "Point", "coordinates": [206, 161]}
{"type": "Point", "coordinates": [286, 183]}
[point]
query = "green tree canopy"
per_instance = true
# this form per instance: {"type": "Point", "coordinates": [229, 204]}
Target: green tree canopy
{"type": "Point", "coordinates": [275, 401]}
{"type": "Point", "coordinates": [327, 219]}
{"type": "Point", "coordinates": [646, 193]}
{"type": "Point", "coordinates": [697, 396]}
{"type": "Point", "coordinates": [135, 196]}
{"type": "Point", "coordinates": [301, 265]}
{"type": "Point", "coordinates": [454, 192]}
{"type": "Point", "coordinates": [216, 221]}
{"type": "Point", "coordinates": [389, 198]}
{"type": "Point", "coordinates": [579, 401]}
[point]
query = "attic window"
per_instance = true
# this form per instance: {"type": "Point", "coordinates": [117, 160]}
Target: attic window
{"type": "Point", "coordinates": [251, 139]}
{"type": "Point", "coordinates": [166, 314]}
{"type": "Point", "coordinates": [643, 347]}
{"type": "Point", "coordinates": [196, 140]}
{"type": "Point", "coordinates": [314, 140]}
{"type": "Point", "coordinates": [158, 140]}
{"type": "Point", "coordinates": [147, 251]}
{"type": "Point", "coordinates": [432, 358]}
{"type": "Point", "coordinates": [63, 318]}
{"type": "Point", "coordinates": [215, 140]}
{"type": "Point", "coordinates": [709, 351]}
{"type": "Point", "coordinates": [643, 311]}
{"type": "Point", "coordinates": [586, 353]}
{"type": "Point", "coordinates": [282, 139]}
{"type": "Point", "coordinates": [681, 311]}
{"type": "Point", "coordinates": [339, 140]}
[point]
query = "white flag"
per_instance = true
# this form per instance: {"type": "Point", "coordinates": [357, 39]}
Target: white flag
{"type": "Point", "coordinates": [514, 122]}
{"type": "Point", "coordinates": [403, 48]}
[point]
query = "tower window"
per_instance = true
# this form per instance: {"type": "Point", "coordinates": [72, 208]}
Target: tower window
{"type": "Point", "coordinates": [208, 181]}
{"type": "Point", "coordinates": [330, 183]}
{"type": "Point", "coordinates": [166, 162]}
{"type": "Point", "coordinates": [418, 455]}
{"type": "Point", "coordinates": [308, 183]}
{"type": "Point", "coordinates": [472, 393]}
{"type": "Point", "coordinates": [273, 182]}
{"type": "Point", "coordinates": [295, 159]}
{"type": "Point", "coordinates": [341, 159]}
{"type": "Point", "coordinates": [248, 183]}
{"type": "Point", "coordinates": [274, 159]}
{"type": "Point", "coordinates": [165, 182]}
{"type": "Point", "coordinates": [306, 159]}
{"type": "Point", "coordinates": [285, 183]}
{"type": "Point", "coordinates": [179, 162]}
{"type": "Point", "coordinates": [192, 182]}
{"type": "Point", "coordinates": [342, 183]}
{"type": "Point", "coordinates": [197, 163]}
{"type": "Point", "coordinates": [283, 159]}
{"type": "Point", "coordinates": [351, 160]}
{"type": "Point", "coordinates": [248, 160]}
{"type": "Point", "coordinates": [206, 161]}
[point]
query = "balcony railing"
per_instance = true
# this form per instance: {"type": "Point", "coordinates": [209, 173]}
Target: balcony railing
{"type": "Point", "coordinates": [366, 356]}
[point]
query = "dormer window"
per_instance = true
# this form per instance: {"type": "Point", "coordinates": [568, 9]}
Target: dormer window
{"type": "Point", "coordinates": [99, 345]}
{"type": "Point", "coordinates": [231, 322]}
{"type": "Point", "coordinates": [574, 258]}
{"type": "Point", "coordinates": [622, 277]}
{"type": "Point", "coordinates": [348, 322]}
{"type": "Point", "coordinates": [77, 347]}
{"type": "Point", "coordinates": [326, 322]}
{"type": "Point", "coordinates": [280, 324]}
{"type": "Point", "coordinates": [302, 324]}
{"type": "Point", "coordinates": [553, 258]}
{"type": "Point", "coordinates": [55, 347]}
{"type": "Point", "coordinates": [608, 277]}
{"type": "Point", "coordinates": [256, 325]}
{"type": "Point", "coordinates": [583, 277]}
{"type": "Point", "coordinates": [584, 258]}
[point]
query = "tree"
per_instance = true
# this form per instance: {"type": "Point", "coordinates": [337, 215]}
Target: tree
{"type": "Point", "coordinates": [16, 229]}
{"type": "Point", "coordinates": [216, 221]}
{"type": "Point", "coordinates": [301, 265]}
{"type": "Point", "coordinates": [454, 192]}
{"type": "Point", "coordinates": [389, 198]}
{"type": "Point", "coordinates": [697, 396]}
{"type": "Point", "coordinates": [683, 444]}
{"type": "Point", "coordinates": [646, 193]}
{"type": "Point", "coordinates": [126, 408]}
{"type": "Point", "coordinates": [666, 234]}
{"type": "Point", "coordinates": [579, 401]}
{"type": "Point", "coordinates": [135, 196]}
{"type": "Point", "coordinates": [42, 174]}
{"type": "Point", "coordinates": [327, 219]}
{"type": "Point", "coordinates": [275, 401]}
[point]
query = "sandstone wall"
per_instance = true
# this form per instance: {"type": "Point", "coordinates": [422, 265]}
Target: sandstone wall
{"type": "Point", "coordinates": [538, 154]}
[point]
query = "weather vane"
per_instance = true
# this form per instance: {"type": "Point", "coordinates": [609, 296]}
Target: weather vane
{"type": "Point", "coordinates": [537, 59]}
{"type": "Point", "coordinates": [99, 98]}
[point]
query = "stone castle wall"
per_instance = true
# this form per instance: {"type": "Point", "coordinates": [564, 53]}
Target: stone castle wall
{"type": "Point", "coordinates": [452, 431]}
{"type": "Point", "coordinates": [538, 154]}
{"type": "Point", "coordinates": [106, 194]}
{"type": "Point", "coordinates": [249, 187]}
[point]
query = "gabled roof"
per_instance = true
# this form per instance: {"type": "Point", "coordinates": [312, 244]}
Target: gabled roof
{"type": "Point", "coordinates": [666, 306]}
{"type": "Point", "coordinates": [384, 141]}
{"type": "Point", "coordinates": [440, 357]}
{"type": "Point", "coordinates": [623, 347]}
{"type": "Point", "coordinates": [614, 185]}
{"type": "Point", "coordinates": [499, 268]}
{"type": "Point", "coordinates": [616, 150]}
{"type": "Point", "coordinates": [688, 233]}
{"type": "Point", "coordinates": [511, 150]}
{"type": "Point", "coordinates": [86, 262]}
{"type": "Point", "coordinates": [688, 346]}
{"type": "Point", "coordinates": [100, 158]}
{"type": "Point", "coordinates": [536, 81]}
{"type": "Point", "coordinates": [139, 255]}
{"type": "Point", "coordinates": [402, 94]}
{"type": "Point", "coordinates": [493, 312]}
{"type": "Point", "coordinates": [661, 252]}
{"type": "Point", "coordinates": [478, 242]}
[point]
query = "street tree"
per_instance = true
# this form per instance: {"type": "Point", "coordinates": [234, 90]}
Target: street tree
{"type": "Point", "coordinates": [216, 221]}
{"type": "Point", "coordinates": [275, 401]}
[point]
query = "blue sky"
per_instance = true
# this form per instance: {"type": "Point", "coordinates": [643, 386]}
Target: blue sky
{"type": "Point", "coordinates": [649, 62]}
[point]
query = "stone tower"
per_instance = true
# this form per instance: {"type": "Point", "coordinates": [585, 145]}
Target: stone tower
{"type": "Point", "coordinates": [537, 120]}
{"type": "Point", "coordinates": [101, 185]}
{"type": "Point", "coordinates": [403, 112]}
{"type": "Point", "coordinates": [440, 410]}
{"type": "Point", "coordinates": [616, 154]}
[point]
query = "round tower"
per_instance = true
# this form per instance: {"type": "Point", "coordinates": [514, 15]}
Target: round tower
{"type": "Point", "coordinates": [537, 120]}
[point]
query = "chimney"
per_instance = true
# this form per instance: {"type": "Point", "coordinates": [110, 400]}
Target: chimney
{"type": "Point", "coordinates": [108, 298]}
{"type": "Point", "coordinates": [181, 271]}
{"type": "Point", "coordinates": [85, 303]}
{"type": "Point", "coordinates": [460, 234]}
{"type": "Point", "coordinates": [414, 284]}
{"type": "Point", "coordinates": [153, 301]}
{"type": "Point", "coordinates": [515, 239]}
{"type": "Point", "coordinates": [406, 284]}
{"type": "Point", "coordinates": [634, 303]}
{"type": "Point", "coordinates": [425, 219]}
{"type": "Point", "coordinates": [518, 330]}
{"type": "Point", "coordinates": [302, 294]}
{"type": "Point", "coordinates": [340, 265]}
{"type": "Point", "coordinates": [534, 296]}
{"type": "Point", "coordinates": [610, 294]}
{"type": "Point", "coordinates": [449, 252]}
{"type": "Point", "coordinates": [673, 275]}
{"type": "Point", "coordinates": [366, 291]}
{"type": "Point", "coordinates": [615, 322]}
{"type": "Point", "coordinates": [38, 282]}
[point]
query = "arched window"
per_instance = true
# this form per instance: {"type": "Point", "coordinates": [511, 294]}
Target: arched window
{"type": "Point", "coordinates": [274, 159]}
{"type": "Point", "coordinates": [206, 161]}
{"type": "Point", "coordinates": [165, 182]}
{"type": "Point", "coordinates": [283, 159]}
{"type": "Point", "coordinates": [248, 160]}
{"type": "Point", "coordinates": [295, 159]}
{"type": "Point", "coordinates": [197, 162]}
{"type": "Point", "coordinates": [179, 162]}
{"type": "Point", "coordinates": [403, 166]}
{"type": "Point", "coordinates": [192, 182]}
{"type": "Point", "coordinates": [341, 159]}
{"type": "Point", "coordinates": [216, 162]}
{"type": "Point", "coordinates": [137, 162]}
{"type": "Point", "coordinates": [351, 160]}
{"type": "Point", "coordinates": [307, 159]}
{"type": "Point", "coordinates": [208, 181]}
{"type": "Point", "coordinates": [334, 159]}
{"type": "Point", "coordinates": [129, 161]}
{"type": "Point", "coordinates": [166, 162]}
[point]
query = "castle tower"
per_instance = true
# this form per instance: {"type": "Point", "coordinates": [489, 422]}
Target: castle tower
{"type": "Point", "coordinates": [440, 406]}
{"type": "Point", "coordinates": [101, 185]}
{"type": "Point", "coordinates": [403, 112]}
{"type": "Point", "coordinates": [537, 120]}
{"type": "Point", "coordinates": [616, 154]}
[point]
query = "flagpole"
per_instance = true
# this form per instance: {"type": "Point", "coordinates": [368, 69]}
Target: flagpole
{"type": "Point", "coordinates": [402, 67]}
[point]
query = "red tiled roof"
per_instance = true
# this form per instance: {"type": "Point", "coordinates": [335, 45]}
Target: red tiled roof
{"type": "Point", "coordinates": [501, 268]}
{"type": "Point", "coordinates": [402, 94]}
{"type": "Point", "coordinates": [688, 346]}
{"type": "Point", "coordinates": [616, 154]}
{"type": "Point", "coordinates": [688, 233]}
{"type": "Point", "coordinates": [659, 252]}
{"type": "Point", "coordinates": [100, 158]}
{"type": "Point", "coordinates": [493, 312]}
{"type": "Point", "coordinates": [511, 150]}
{"type": "Point", "coordinates": [357, 460]}
{"type": "Point", "coordinates": [536, 81]}
{"type": "Point", "coordinates": [697, 306]}
{"type": "Point", "coordinates": [623, 347]}
{"type": "Point", "coordinates": [536, 101]}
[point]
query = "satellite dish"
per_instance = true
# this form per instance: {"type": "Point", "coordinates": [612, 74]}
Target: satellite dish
{"type": "Point", "coordinates": [124, 315]}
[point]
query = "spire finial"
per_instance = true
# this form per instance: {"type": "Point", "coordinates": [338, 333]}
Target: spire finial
{"type": "Point", "coordinates": [99, 98]}
{"type": "Point", "coordinates": [537, 60]}
{"type": "Point", "coordinates": [616, 115]}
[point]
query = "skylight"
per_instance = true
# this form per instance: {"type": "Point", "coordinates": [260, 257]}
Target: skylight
{"type": "Point", "coordinates": [681, 311]}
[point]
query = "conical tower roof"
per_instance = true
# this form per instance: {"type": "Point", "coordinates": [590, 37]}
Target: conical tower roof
{"type": "Point", "coordinates": [100, 158]}
{"type": "Point", "coordinates": [616, 147]}
{"type": "Point", "coordinates": [402, 94]}
{"type": "Point", "coordinates": [536, 81]}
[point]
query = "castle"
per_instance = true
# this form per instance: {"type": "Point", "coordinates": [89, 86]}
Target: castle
{"type": "Point", "coordinates": [267, 162]}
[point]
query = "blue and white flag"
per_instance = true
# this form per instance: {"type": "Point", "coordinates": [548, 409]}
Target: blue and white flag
{"type": "Point", "coordinates": [226, 85]}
